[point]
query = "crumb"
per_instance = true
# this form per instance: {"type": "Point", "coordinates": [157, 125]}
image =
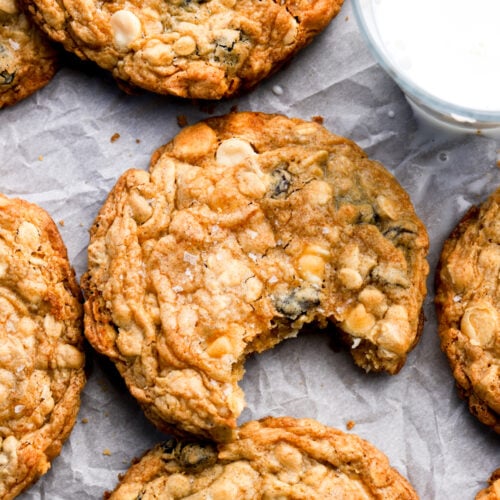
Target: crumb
{"type": "Point", "coordinates": [318, 119]}
{"type": "Point", "coordinates": [106, 452]}
{"type": "Point", "coordinates": [115, 137]}
{"type": "Point", "coordinates": [40, 158]}
{"type": "Point", "coordinates": [498, 163]}
{"type": "Point", "coordinates": [182, 120]}
{"type": "Point", "coordinates": [346, 18]}
{"type": "Point", "coordinates": [479, 132]}
{"type": "Point", "coordinates": [61, 222]}
{"type": "Point", "coordinates": [137, 141]}
{"type": "Point", "coordinates": [85, 420]}
{"type": "Point", "coordinates": [350, 424]}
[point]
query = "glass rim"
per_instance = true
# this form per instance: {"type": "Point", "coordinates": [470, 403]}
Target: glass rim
{"type": "Point", "coordinates": [459, 113]}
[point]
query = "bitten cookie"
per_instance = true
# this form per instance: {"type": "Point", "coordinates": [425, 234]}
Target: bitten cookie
{"type": "Point", "coordinates": [41, 356]}
{"type": "Point", "coordinates": [492, 492]}
{"type": "Point", "coordinates": [199, 49]}
{"type": "Point", "coordinates": [271, 458]}
{"type": "Point", "coordinates": [27, 60]}
{"type": "Point", "coordinates": [246, 228]}
{"type": "Point", "coordinates": [468, 308]}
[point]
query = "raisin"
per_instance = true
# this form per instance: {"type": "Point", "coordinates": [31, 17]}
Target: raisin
{"type": "Point", "coordinates": [297, 303]}
{"type": "Point", "coordinates": [197, 456]}
{"type": "Point", "coordinates": [6, 78]}
{"type": "Point", "coordinates": [281, 181]}
{"type": "Point", "coordinates": [401, 233]}
{"type": "Point", "coordinates": [169, 446]}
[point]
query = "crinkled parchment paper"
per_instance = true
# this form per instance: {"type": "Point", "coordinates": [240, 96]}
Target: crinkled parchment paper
{"type": "Point", "coordinates": [56, 150]}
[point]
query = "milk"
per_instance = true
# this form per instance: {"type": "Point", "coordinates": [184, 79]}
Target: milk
{"type": "Point", "coordinates": [448, 48]}
{"type": "Point", "coordinates": [444, 54]}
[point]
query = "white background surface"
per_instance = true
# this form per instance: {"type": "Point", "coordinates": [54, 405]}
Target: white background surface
{"type": "Point", "coordinates": [55, 150]}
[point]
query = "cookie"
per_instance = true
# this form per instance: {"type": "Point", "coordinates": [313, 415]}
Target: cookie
{"type": "Point", "coordinates": [246, 228]}
{"type": "Point", "coordinates": [27, 60]}
{"type": "Point", "coordinates": [468, 308]}
{"type": "Point", "coordinates": [492, 492]}
{"type": "Point", "coordinates": [271, 458]}
{"type": "Point", "coordinates": [41, 357]}
{"type": "Point", "coordinates": [198, 49]}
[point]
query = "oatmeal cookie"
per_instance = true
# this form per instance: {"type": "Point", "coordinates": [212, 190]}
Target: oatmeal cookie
{"type": "Point", "coordinates": [246, 228]}
{"type": "Point", "coordinates": [206, 49]}
{"type": "Point", "coordinates": [41, 356]}
{"type": "Point", "coordinates": [492, 492]}
{"type": "Point", "coordinates": [271, 458]}
{"type": "Point", "coordinates": [468, 308]}
{"type": "Point", "coordinates": [27, 60]}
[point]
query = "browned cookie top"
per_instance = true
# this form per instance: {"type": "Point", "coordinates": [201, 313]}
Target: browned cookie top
{"type": "Point", "coordinates": [271, 458]}
{"type": "Point", "coordinates": [204, 49]}
{"type": "Point", "coordinates": [468, 306]}
{"type": "Point", "coordinates": [27, 60]}
{"type": "Point", "coordinates": [246, 228]}
{"type": "Point", "coordinates": [41, 356]}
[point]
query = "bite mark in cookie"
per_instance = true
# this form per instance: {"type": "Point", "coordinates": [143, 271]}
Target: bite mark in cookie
{"type": "Point", "coordinates": [246, 228]}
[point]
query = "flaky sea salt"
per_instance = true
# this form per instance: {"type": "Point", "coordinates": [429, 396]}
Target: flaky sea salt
{"type": "Point", "coordinates": [190, 258]}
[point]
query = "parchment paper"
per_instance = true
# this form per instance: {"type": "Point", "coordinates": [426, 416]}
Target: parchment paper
{"type": "Point", "coordinates": [55, 150]}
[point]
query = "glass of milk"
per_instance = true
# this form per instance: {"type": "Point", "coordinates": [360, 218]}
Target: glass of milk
{"type": "Point", "coordinates": [445, 56]}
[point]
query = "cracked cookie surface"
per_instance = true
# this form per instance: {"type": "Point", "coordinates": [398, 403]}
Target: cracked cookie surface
{"type": "Point", "coordinates": [189, 48]}
{"type": "Point", "coordinates": [41, 355]}
{"type": "Point", "coordinates": [246, 228]}
{"type": "Point", "coordinates": [271, 458]}
{"type": "Point", "coordinates": [468, 307]}
{"type": "Point", "coordinates": [27, 60]}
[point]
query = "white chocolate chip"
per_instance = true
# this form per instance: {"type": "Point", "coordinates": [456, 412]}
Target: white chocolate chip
{"type": "Point", "coordinates": [291, 34]}
{"type": "Point", "coordinates": [358, 322]}
{"type": "Point", "coordinates": [68, 356]}
{"type": "Point", "coordinates": [311, 268]}
{"type": "Point", "coordinates": [220, 347]}
{"type": "Point", "coordinates": [386, 207]}
{"type": "Point", "coordinates": [141, 209]}
{"type": "Point", "coordinates": [253, 289]}
{"type": "Point", "coordinates": [288, 456]}
{"type": "Point", "coordinates": [350, 278]}
{"type": "Point", "coordinates": [311, 263]}
{"type": "Point", "coordinates": [27, 235]}
{"type": "Point", "coordinates": [480, 324]}
{"type": "Point", "coordinates": [233, 151]}
{"type": "Point", "coordinates": [393, 336]}
{"type": "Point", "coordinates": [184, 46]}
{"type": "Point", "coordinates": [52, 327]}
{"type": "Point", "coordinates": [126, 28]}
{"type": "Point", "coordinates": [158, 53]}
{"type": "Point", "coordinates": [320, 192]}
{"type": "Point", "coordinates": [178, 485]}
{"type": "Point", "coordinates": [374, 301]}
